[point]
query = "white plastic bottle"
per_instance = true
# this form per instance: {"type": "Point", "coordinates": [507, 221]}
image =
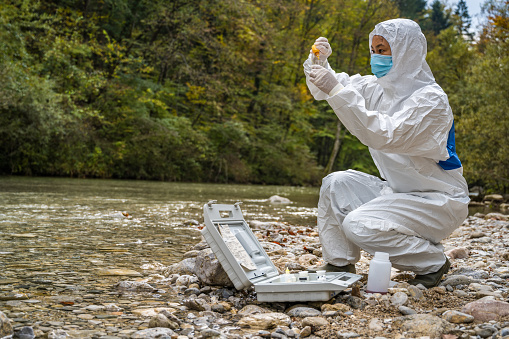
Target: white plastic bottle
{"type": "Point", "coordinates": [379, 275]}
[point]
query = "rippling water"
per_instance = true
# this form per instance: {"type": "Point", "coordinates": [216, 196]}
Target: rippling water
{"type": "Point", "coordinates": [58, 224]}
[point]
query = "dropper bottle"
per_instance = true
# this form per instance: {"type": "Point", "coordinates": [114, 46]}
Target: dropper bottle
{"type": "Point", "coordinates": [288, 276]}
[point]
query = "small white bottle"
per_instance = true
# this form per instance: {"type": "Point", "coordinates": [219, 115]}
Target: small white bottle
{"type": "Point", "coordinates": [303, 276]}
{"type": "Point", "coordinates": [321, 275]}
{"type": "Point", "coordinates": [379, 275]}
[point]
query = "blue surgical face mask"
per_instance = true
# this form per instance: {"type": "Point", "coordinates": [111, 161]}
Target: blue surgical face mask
{"type": "Point", "coordinates": [380, 64]}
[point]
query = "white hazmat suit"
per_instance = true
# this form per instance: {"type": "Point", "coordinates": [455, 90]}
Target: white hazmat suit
{"type": "Point", "coordinates": [405, 119]}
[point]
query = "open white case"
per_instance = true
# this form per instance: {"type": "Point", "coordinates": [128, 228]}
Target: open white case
{"type": "Point", "coordinates": [226, 230]}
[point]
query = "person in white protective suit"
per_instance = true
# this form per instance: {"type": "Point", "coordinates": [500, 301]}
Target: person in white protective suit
{"type": "Point", "coordinates": [404, 117]}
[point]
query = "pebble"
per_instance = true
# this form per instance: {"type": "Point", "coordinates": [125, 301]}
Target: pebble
{"type": "Point", "coordinates": [152, 333]}
{"type": "Point", "coordinates": [337, 307]}
{"type": "Point", "coordinates": [58, 334]}
{"type": "Point", "coordinates": [458, 253]}
{"type": "Point", "coordinates": [484, 332]}
{"type": "Point", "coordinates": [375, 325]}
{"type": "Point", "coordinates": [414, 292]}
{"type": "Point", "coordinates": [418, 325]}
{"type": "Point", "coordinates": [160, 320]}
{"type": "Point", "coordinates": [455, 280]}
{"type": "Point", "coordinates": [119, 272]}
{"type": "Point", "coordinates": [348, 335]}
{"type": "Point", "coordinates": [25, 332]}
{"type": "Point", "coordinates": [406, 310]}
{"type": "Point", "coordinates": [356, 302]}
{"type": "Point", "coordinates": [460, 293]}
{"type": "Point", "coordinates": [315, 322]}
{"type": "Point", "coordinates": [303, 312]}
{"type": "Point", "coordinates": [5, 326]}
{"type": "Point", "coordinates": [399, 299]}
{"type": "Point", "coordinates": [253, 309]}
{"type": "Point", "coordinates": [306, 331]}
{"type": "Point", "coordinates": [264, 321]}
{"type": "Point", "coordinates": [457, 317]}
{"type": "Point", "coordinates": [136, 286]}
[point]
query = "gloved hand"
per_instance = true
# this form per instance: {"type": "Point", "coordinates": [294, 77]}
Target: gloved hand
{"type": "Point", "coordinates": [322, 78]}
{"type": "Point", "coordinates": [325, 51]}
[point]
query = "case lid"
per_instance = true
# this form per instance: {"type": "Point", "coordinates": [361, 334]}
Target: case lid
{"type": "Point", "coordinates": [229, 233]}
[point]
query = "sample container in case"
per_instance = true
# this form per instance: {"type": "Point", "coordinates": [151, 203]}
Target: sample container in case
{"type": "Point", "coordinates": [246, 263]}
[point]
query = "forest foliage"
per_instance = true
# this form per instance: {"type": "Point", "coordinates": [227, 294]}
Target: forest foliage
{"type": "Point", "coordinates": [213, 90]}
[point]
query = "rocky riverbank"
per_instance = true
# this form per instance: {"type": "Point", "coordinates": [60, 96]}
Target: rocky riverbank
{"type": "Point", "coordinates": [195, 299]}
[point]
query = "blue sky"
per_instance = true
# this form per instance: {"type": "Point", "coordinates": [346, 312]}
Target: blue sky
{"type": "Point", "coordinates": [474, 10]}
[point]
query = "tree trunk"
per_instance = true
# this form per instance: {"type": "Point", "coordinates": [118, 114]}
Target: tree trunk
{"type": "Point", "coordinates": [335, 150]}
{"type": "Point", "coordinates": [357, 38]}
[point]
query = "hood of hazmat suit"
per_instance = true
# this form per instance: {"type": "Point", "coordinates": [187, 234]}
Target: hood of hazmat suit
{"type": "Point", "coordinates": [405, 120]}
{"type": "Point", "coordinates": [403, 117]}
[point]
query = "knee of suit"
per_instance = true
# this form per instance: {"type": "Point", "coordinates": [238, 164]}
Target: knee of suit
{"type": "Point", "coordinates": [353, 227]}
{"type": "Point", "coordinates": [358, 230]}
{"type": "Point", "coordinates": [337, 182]}
{"type": "Point", "coordinates": [335, 177]}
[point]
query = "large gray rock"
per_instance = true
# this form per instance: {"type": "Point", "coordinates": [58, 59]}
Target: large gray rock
{"type": "Point", "coordinates": [185, 266]}
{"type": "Point", "coordinates": [417, 325]}
{"type": "Point", "coordinates": [276, 199]}
{"type": "Point", "coordinates": [209, 270]}
{"type": "Point", "coordinates": [486, 309]}
{"type": "Point", "coordinates": [5, 325]}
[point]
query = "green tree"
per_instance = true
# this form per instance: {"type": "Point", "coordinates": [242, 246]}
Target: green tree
{"type": "Point", "coordinates": [438, 18]}
{"type": "Point", "coordinates": [483, 125]}
{"type": "Point", "coordinates": [464, 21]}
{"type": "Point", "coordinates": [210, 90]}
{"type": "Point", "coordinates": [449, 60]}
{"type": "Point", "coordinates": [411, 9]}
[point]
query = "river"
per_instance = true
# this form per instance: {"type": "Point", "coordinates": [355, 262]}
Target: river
{"type": "Point", "coordinates": [49, 224]}
{"type": "Point", "coordinates": [62, 224]}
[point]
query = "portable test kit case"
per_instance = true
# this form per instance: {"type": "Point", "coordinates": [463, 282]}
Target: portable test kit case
{"type": "Point", "coordinates": [268, 284]}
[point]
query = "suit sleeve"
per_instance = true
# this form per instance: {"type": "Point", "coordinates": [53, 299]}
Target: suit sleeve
{"type": "Point", "coordinates": [419, 128]}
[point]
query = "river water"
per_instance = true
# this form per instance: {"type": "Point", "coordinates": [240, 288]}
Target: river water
{"type": "Point", "coordinates": [61, 225]}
